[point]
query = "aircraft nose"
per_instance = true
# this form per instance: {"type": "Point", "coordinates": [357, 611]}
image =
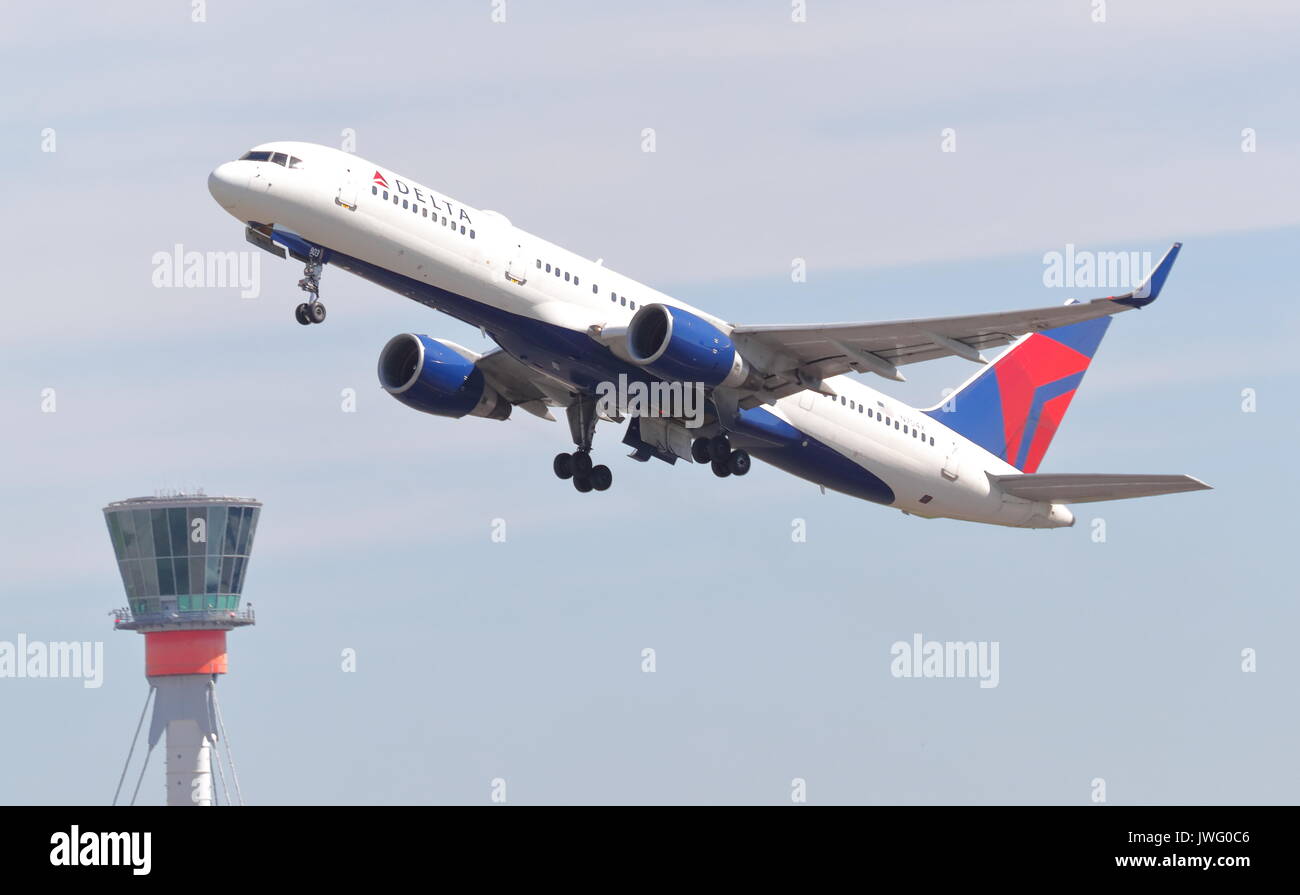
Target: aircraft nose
{"type": "Point", "coordinates": [227, 183]}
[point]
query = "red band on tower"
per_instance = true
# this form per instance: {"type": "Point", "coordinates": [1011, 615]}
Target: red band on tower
{"type": "Point", "coordinates": [185, 652]}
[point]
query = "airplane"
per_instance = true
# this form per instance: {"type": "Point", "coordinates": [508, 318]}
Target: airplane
{"type": "Point", "coordinates": [567, 327]}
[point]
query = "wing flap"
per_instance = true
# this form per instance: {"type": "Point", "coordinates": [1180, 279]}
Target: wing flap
{"type": "Point", "coordinates": [1090, 487]}
{"type": "Point", "coordinates": [521, 385]}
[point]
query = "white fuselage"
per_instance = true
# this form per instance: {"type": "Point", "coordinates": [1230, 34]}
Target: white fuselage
{"type": "Point", "coordinates": [337, 200]}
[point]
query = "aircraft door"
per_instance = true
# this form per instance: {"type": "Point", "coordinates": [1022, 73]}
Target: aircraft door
{"type": "Point", "coordinates": [517, 266]}
{"type": "Point", "coordinates": [347, 195]}
{"type": "Point", "coordinates": [951, 469]}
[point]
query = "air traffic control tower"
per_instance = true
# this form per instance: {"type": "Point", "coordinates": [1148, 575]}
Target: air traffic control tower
{"type": "Point", "coordinates": [183, 558]}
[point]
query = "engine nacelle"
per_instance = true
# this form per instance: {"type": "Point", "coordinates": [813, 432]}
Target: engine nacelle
{"type": "Point", "coordinates": [437, 377]}
{"type": "Point", "coordinates": [679, 346]}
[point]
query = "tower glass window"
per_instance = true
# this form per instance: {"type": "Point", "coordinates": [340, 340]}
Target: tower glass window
{"type": "Point", "coordinates": [183, 554]}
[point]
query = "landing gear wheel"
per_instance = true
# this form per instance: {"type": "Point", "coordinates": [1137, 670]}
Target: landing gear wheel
{"type": "Point", "coordinates": [300, 314]}
{"type": "Point", "coordinates": [721, 468]}
{"type": "Point", "coordinates": [700, 450]}
{"type": "Point", "coordinates": [582, 483]}
{"type": "Point", "coordinates": [719, 448]}
{"type": "Point", "coordinates": [738, 462]}
{"type": "Point", "coordinates": [316, 312]}
{"type": "Point", "coordinates": [601, 478]}
{"type": "Point", "coordinates": [581, 465]}
{"type": "Point", "coordinates": [563, 466]}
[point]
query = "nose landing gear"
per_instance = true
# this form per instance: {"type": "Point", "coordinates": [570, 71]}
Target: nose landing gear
{"type": "Point", "coordinates": [307, 313]}
{"type": "Point", "coordinates": [312, 311]}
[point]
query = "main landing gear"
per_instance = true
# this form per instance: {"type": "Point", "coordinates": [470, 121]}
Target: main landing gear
{"type": "Point", "coordinates": [718, 453]}
{"type": "Point", "coordinates": [578, 466]}
{"type": "Point", "coordinates": [312, 311]}
{"type": "Point", "coordinates": [586, 477]}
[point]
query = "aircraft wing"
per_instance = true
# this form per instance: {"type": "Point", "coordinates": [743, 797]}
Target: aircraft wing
{"type": "Point", "coordinates": [800, 356]}
{"type": "Point", "coordinates": [521, 385]}
{"type": "Point", "coordinates": [1089, 488]}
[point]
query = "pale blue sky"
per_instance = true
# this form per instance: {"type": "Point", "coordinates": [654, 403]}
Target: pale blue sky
{"type": "Point", "coordinates": [522, 660]}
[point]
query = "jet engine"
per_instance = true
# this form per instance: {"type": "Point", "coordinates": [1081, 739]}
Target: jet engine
{"type": "Point", "coordinates": [679, 346]}
{"type": "Point", "coordinates": [438, 377]}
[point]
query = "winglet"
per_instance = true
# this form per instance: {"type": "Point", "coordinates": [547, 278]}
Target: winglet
{"type": "Point", "coordinates": [1149, 289]}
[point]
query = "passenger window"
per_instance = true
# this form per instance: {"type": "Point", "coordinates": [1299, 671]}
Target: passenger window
{"type": "Point", "coordinates": [395, 198]}
{"type": "Point", "coordinates": [539, 263]}
{"type": "Point", "coordinates": [931, 441]}
{"type": "Point", "coordinates": [548, 268]}
{"type": "Point", "coordinates": [895, 424]}
{"type": "Point", "coordinates": [374, 191]}
{"type": "Point", "coordinates": [566, 278]}
{"type": "Point", "coordinates": [471, 234]}
{"type": "Point", "coordinates": [852, 405]}
{"type": "Point", "coordinates": [280, 158]}
{"type": "Point", "coordinates": [632, 305]}
{"type": "Point", "coordinates": [405, 203]}
{"type": "Point", "coordinates": [595, 290]}
{"type": "Point", "coordinates": [905, 430]}
{"type": "Point", "coordinates": [462, 230]}
{"type": "Point", "coordinates": [843, 400]}
{"type": "Point", "coordinates": [444, 221]}
{"type": "Point", "coordinates": [424, 212]}
{"type": "Point", "coordinates": [575, 281]}
{"type": "Point", "coordinates": [623, 300]}
{"type": "Point", "coordinates": [557, 273]}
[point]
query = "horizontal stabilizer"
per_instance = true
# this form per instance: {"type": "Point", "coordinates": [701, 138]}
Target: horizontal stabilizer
{"type": "Point", "coordinates": [1088, 487]}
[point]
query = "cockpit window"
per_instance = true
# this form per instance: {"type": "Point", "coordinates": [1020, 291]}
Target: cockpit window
{"type": "Point", "coordinates": [279, 158]}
